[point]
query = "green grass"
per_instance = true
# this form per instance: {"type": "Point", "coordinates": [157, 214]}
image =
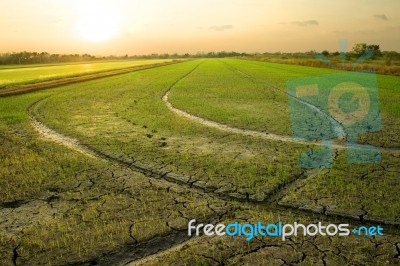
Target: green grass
{"type": "Point", "coordinates": [26, 74]}
{"type": "Point", "coordinates": [217, 92]}
{"type": "Point", "coordinates": [221, 91]}
{"type": "Point", "coordinates": [25, 169]}
{"type": "Point", "coordinates": [370, 190]}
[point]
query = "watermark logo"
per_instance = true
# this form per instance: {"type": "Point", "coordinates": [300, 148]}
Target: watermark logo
{"type": "Point", "coordinates": [335, 106]}
{"type": "Point", "coordinates": [280, 229]}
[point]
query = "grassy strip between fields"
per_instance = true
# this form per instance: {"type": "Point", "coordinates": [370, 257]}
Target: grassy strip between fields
{"type": "Point", "coordinates": [40, 85]}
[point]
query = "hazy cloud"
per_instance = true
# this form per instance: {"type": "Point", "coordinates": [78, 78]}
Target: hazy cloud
{"type": "Point", "coordinates": [221, 27]}
{"type": "Point", "coordinates": [381, 17]}
{"type": "Point", "coordinates": [306, 23]}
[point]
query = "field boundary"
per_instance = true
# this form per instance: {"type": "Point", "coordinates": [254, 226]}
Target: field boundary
{"type": "Point", "coordinates": [22, 89]}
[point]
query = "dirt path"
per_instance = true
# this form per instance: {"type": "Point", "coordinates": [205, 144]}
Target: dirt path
{"type": "Point", "coordinates": [61, 139]}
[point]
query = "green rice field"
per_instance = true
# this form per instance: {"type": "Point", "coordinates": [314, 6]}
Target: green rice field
{"type": "Point", "coordinates": [110, 171]}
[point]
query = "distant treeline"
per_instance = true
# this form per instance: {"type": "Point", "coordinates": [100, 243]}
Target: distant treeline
{"type": "Point", "coordinates": [42, 58]}
{"type": "Point", "coordinates": [46, 58]}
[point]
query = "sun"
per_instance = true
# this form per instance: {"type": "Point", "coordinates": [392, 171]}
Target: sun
{"type": "Point", "coordinates": [97, 22]}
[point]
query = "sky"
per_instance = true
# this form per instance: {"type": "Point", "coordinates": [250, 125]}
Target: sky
{"type": "Point", "coordinates": [119, 27]}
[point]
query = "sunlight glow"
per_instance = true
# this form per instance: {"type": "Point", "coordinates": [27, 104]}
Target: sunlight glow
{"type": "Point", "coordinates": [97, 21]}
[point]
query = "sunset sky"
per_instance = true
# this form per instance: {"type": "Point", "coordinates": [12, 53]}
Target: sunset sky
{"type": "Point", "coordinates": [104, 27]}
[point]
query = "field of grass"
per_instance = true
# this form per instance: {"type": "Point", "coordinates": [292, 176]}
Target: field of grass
{"type": "Point", "coordinates": [35, 73]}
{"type": "Point", "coordinates": [221, 90]}
{"type": "Point", "coordinates": [153, 170]}
{"type": "Point", "coordinates": [252, 96]}
{"type": "Point", "coordinates": [128, 129]}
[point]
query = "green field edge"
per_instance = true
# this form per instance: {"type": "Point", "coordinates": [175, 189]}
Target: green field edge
{"type": "Point", "coordinates": [35, 85]}
{"type": "Point", "coordinates": [377, 71]}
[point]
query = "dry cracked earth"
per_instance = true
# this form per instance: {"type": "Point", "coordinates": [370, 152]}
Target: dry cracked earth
{"type": "Point", "coordinates": [158, 205]}
{"type": "Point", "coordinates": [157, 234]}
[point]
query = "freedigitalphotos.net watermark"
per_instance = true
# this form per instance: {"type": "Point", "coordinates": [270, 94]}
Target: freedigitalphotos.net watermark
{"type": "Point", "coordinates": [341, 105]}
{"type": "Point", "coordinates": [280, 229]}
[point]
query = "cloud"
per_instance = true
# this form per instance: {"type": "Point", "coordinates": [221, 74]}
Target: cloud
{"type": "Point", "coordinates": [221, 27]}
{"type": "Point", "coordinates": [381, 17]}
{"type": "Point", "coordinates": [306, 23]}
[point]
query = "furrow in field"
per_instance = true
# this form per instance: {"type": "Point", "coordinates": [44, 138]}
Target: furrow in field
{"type": "Point", "coordinates": [58, 138]}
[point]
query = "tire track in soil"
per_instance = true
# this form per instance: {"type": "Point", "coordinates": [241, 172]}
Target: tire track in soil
{"type": "Point", "coordinates": [74, 144]}
{"type": "Point", "coordinates": [337, 127]}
